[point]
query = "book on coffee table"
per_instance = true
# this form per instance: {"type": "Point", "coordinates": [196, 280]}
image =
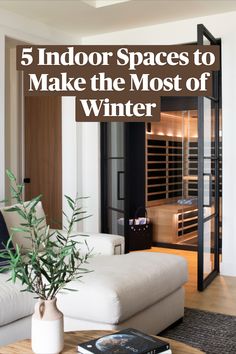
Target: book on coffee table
{"type": "Point", "coordinates": [126, 341]}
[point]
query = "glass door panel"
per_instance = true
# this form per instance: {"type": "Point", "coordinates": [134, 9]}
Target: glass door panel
{"type": "Point", "coordinates": [116, 222]}
{"type": "Point", "coordinates": [209, 246]}
{"type": "Point", "coordinates": [172, 177]}
{"type": "Point", "coordinates": [116, 196]}
{"type": "Point", "coordinates": [208, 177]}
{"type": "Point", "coordinates": [115, 140]}
{"type": "Point", "coordinates": [113, 193]}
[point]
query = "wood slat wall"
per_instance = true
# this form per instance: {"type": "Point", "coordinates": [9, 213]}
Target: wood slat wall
{"type": "Point", "coordinates": [43, 154]}
{"type": "Point", "coordinates": [164, 168]}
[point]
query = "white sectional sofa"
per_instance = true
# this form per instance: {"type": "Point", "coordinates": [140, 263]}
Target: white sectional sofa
{"type": "Point", "coordinates": [143, 290]}
{"type": "Point", "coordinates": [140, 289]}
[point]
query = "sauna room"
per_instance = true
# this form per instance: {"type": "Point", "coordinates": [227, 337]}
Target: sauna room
{"type": "Point", "coordinates": [172, 178]}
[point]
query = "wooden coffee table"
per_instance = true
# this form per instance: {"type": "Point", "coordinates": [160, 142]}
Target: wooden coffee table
{"type": "Point", "coordinates": [73, 338]}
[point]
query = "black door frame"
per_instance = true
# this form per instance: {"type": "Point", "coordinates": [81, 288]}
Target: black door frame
{"type": "Point", "coordinates": [204, 282]}
{"type": "Point", "coordinates": [104, 177]}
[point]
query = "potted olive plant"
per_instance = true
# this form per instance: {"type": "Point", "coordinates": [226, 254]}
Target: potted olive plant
{"type": "Point", "coordinates": [45, 268]}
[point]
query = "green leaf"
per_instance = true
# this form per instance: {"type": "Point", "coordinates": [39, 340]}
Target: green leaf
{"type": "Point", "coordinates": [70, 199]}
{"type": "Point", "coordinates": [10, 175]}
{"type": "Point", "coordinates": [20, 229]}
{"type": "Point", "coordinates": [83, 218]}
{"type": "Point", "coordinates": [35, 201]}
{"type": "Point", "coordinates": [80, 198]}
{"type": "Point", "coordinates": [11, 209]}
{"type": "Point", "coordinates": [71, 205]}
{"type": "Point", "coordinates": [18, 210]}
{"type": "Point", "coordinates": [70, 289]}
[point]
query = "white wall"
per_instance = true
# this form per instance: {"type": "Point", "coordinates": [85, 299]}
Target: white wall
{"type": "Point", "coordinates": [69, 153]}
{"type": "Point", "coordinates": [89, 171]}
{"type": "Point", "coordinates": [2, 116]}
{"type": "Point", "coordinates": [224, 27]}
{"type": "Point", "coordinates": [13, 115]}
{"type": "Point", "coordinates": [81, 165]}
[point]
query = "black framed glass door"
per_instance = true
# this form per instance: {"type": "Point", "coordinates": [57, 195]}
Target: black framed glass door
{"type": "Point", "coordinates": [208, 177]}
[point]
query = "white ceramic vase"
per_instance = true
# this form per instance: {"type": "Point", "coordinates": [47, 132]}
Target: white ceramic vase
{"type": "Point", "coordinates": [47, 332]}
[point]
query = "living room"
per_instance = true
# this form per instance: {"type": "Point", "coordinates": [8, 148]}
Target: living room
{"type": "Point", "coordinates": [130, 22]}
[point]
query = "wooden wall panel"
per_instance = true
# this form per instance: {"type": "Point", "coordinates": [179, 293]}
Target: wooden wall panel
{"type": "Point", "coordinates": [43, 154]}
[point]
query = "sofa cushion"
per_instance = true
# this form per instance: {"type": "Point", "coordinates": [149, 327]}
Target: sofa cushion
{"type": "Point", "coordinates": [122, 286]}
{"type": "Point", "coordinates": [13, 219]}
{"type": "Point", "coordinates": [14, 304]}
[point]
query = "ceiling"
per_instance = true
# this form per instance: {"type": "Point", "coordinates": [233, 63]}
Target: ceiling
{"type": "Point", "coordinates": [90, 17]}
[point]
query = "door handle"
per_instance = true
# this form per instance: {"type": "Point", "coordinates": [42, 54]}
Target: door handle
{"type": "Point", "coordinates": [119, 197]}
{"type": "Point", "coordinates": [26, 180]}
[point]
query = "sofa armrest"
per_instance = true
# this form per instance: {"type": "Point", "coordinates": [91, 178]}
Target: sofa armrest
{"type": "Point", "coordinates": [106, 244]}
{"type": "Point", "coordinates": [100, 244]}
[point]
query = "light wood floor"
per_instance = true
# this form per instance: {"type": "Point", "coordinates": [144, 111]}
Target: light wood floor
{"type": "Point", "coordinates": [220, 296]}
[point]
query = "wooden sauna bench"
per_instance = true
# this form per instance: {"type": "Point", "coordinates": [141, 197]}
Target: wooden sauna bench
{"type": "Point", "coordinates": [173, 222]}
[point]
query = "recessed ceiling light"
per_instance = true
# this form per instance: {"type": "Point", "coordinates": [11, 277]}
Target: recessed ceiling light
{"type": "Point", "coordinates": [103, 3]}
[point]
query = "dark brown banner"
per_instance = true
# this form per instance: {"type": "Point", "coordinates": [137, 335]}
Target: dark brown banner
{"type": "Point", "coordinates": [118, 83]}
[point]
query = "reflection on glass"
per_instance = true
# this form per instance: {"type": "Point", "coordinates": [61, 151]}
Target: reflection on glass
{"type": "Point", "coordinates": [208, 246]}
{"type": "Point", "coordinates": [115, 142]}
{"type": "Point", "coordinates": [209, 154]}
{"type": "Point", "coordinates": [115, 222]}
{"type": "Point", "coordinates": [207, 185]}
{"type": "Point", "coordinates": [208, 136]}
